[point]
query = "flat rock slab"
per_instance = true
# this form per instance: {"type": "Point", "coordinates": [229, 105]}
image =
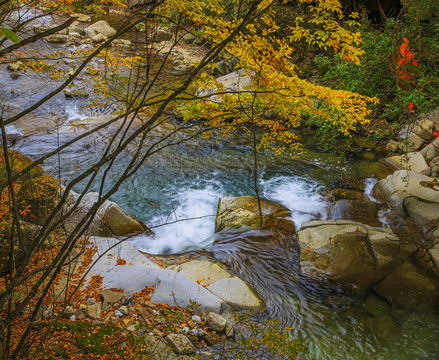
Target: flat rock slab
{"type": "Point", "coordinates": [236, 293]}
{"type": "Point", "coordinates": [124, 267]}
{"type": "Point", "coordinates": [203, 272]}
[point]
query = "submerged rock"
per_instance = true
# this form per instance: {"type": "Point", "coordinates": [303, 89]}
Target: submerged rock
{"type": "Point", "coordinates": [407, 287]}
{"type": "Point", "coordinates": [357, 210]}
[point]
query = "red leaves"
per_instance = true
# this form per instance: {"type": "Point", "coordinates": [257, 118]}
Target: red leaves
{"type": "Point", "coordinates": [411, 107]}
{"type": "Point", "coordinates": [406, 55]}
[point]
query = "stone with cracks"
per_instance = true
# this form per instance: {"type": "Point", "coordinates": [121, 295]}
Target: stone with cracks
{"type": "Point", "coordinates": [180, 344]}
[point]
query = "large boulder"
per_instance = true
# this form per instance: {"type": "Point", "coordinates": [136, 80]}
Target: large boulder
{"type": "Point", "coordinates": [403, 183]}
{"type": "Point", "coordinates": [349, 254]}
{"type": "Point", "coordinates": [100, 27]}
{"type": "Point", "coordinates": [411, 161]}
{"type": "Point", "coordinates": [110, 218]}
{"type": "Point", "coordinates": [243, 212]}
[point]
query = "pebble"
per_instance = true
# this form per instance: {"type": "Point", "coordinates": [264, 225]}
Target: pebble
{"type": "Point", "coordinates": [118, 314]}
{"type": "Point", "coordinates": [196, 319]}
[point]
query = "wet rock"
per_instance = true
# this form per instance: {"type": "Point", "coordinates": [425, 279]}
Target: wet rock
{"type": "Point", "coordinates": [204, 272]}
{"type": "Point", "coordinates": [407, 287]}
{"type": "Point", "coordinates": [344, 194]}
{"type": "Point", "coordinates": [365, 212]}
{"type": "Point", "coordinates": [434, 166]}
{"type": "Point", "coordinates": [94, 311]}
{"type": "Point", "coordinates": [111, 297]}
{"type": "Point", "coordinates": [75, 93]}
{"type": "Point", "coordinates": [236, 293]}
{"type": "Point", "coordinates": [376, 307]}
{"type": "Point", "coordinates": [411, 161]}
{"type": "Point", "coordinates": [424, 213]}
{"type": "Point", "coordinates": [100, 27]}
{"type": "Point", "coordinates": [216, 322]}
{"type": "Point", "coordinates": [243, 212]}
{"type": "Point", "coordinates": [432, 238]}
{"type": "Point", "coordinates": [401, 184]}
{"type": "Point", "coordinates": [180, 344]}
{"type": "Point", "coordinates": [56, 39]}
{"type": "Point", "coordinates": [431, 150]}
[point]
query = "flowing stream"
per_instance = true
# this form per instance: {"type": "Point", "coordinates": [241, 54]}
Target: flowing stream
{"type": "Point", "coordinates": [186, 182]}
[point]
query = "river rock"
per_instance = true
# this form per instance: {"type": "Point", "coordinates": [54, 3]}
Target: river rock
{"type": "Point", "coordinates": [94, 311]}
{"type": "Point", "coordinates": [75, 93]}
{"type": "Point", "coordinates": [189, 38]}
{"type": "Point", "coordinates": [234, 81]}
{"type": "Point", "coordinates": [407, 287]}
{"type": "Point", "coordinates": [110, 218]}
{"type": "Point", "coordinates": [362, 211]}
{"type": "Point", "coordinates": [411, 161]}
{"type": "Point", "coordinates": [411, 143]}
{"type": "Point", "coordinates": [203, 272]}
{"type": "Point", "coordinates": [424, 129]}
{"type": "Point", "coordinates": [349, 254]}
{"type": "Point", "coordinates": [424, 213]}
{"type": "Point", "coordinates": [158, 350]}
{"type": "Point", "coordinates": [431, 150]}
{"type": "Point", "coordinates": [57, 39]}
{"type": "Point", "coordinates": [216, 322]}
{"type": "Point", "coordinates": [243, 212]}
{"type": "Point", "coordinates": [181, 344]}
{"type": "Point", "coordinates": [432, 238]}
{"type": "Point", "coordinates": [403, 183]}
{"type": "Point", "coordinates": [111, 297]}
{"type": "Point", "coordinates": [100, 27]}
{"type": "Point", "coordinates": [236, 293]}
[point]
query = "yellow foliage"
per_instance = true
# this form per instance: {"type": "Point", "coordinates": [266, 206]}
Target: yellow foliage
{"type": "Point", "coordinates": [276, 83]}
